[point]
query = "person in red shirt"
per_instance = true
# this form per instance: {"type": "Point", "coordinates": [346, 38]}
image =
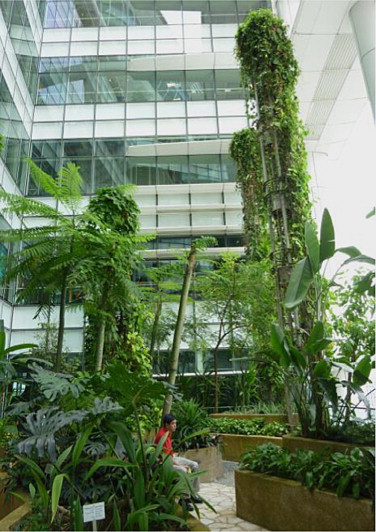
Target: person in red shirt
{"type": "Point", "coordinates": [179, 463]}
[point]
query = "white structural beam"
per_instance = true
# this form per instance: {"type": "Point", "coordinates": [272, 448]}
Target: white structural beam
{"type": "Point", "coordinates": [362, 16]}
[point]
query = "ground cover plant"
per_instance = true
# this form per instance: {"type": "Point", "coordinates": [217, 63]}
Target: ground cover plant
{"type": "Point", "coordinates": [351, 474]}
{"type": "Point", "coordinates": [254, 427]}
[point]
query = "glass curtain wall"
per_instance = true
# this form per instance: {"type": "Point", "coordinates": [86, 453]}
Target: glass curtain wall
{"type": "Point", "coordinates": [93, 13]}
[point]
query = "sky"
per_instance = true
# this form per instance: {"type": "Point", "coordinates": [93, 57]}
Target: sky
{"type": "Point", "coordinates": [346, 187]}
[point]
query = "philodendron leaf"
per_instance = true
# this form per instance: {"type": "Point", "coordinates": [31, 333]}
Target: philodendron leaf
{"type": "Point", "coordinates": [327, 238]}
{"type": "Point", "coordinates": [300, 281]}
{"type": "Point", "coordinates": [313, 246]}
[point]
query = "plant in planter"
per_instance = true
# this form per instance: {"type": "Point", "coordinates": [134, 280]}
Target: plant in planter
{"type": "Point", "coordinates": [256, 427]}
{"type": "Point", "coordinates": [316, 386]}
{"type": "Point", "coordinates": [317, 492]}
{"type": "Point", "coordinates": [350, 474]}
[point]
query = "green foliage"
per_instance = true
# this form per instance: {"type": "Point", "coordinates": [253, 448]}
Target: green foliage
{"type": "Point", "coordinates": [191, 418]}
{"type": "Point", "coordinates": [357, 432]}
{"type": "Point", "coordinates": [254, 427]}
{"type": "Point", "coordinates": [269, 75]}
{"type": "Point", "coordinates": [115, 207]}
{"type": "Point", "coordinates": [67, 456]}
{"type": "Point", "coordinates": [351, 474]}
{"type": "Point", "coordinates": [316, 387]}
{"type": "Point", "coordinates": [260, 407]}
{"type": "Point", "coordinates": [112, 302]}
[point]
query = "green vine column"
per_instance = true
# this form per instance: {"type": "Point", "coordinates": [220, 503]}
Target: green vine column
{"type": "Point", "coordinates": [270, 155]}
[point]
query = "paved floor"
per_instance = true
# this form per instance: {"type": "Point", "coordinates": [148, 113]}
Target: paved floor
{"type": "Point", "coordinates": [221, 495]}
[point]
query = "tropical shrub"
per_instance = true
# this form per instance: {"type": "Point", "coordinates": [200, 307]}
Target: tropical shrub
{"type": "Point", "coordinates": [74, 448]}
{"type": "Point", "coordinates": [254, 427]}
{"type": "Point", "coordinates": [351, 474]}
{"type": "Point", "coordinates": [260, 408]}
{"type": "Point", "coordinates": [192, 419]}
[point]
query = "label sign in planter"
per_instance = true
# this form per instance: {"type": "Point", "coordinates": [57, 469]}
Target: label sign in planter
{"type": "Point", "coordinates": [280, 504]}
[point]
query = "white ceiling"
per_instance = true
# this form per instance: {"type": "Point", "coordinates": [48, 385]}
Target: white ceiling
{"type": "Point", "coordinates": [331, 89]}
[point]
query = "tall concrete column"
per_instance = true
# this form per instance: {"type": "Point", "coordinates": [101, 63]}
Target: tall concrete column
{"type": "Point", "coordinates": [362, 16]}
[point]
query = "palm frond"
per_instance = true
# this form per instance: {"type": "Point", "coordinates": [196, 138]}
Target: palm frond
{"type": "Point", "coordinates": [43, 180]}
{"type": "Point", "coordinates": [22, 206]}
{"type": "Point", "coordinates": [70, 185]}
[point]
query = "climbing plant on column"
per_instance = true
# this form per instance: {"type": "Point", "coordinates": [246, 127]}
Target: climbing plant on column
{"type": "Point", "coordinates": [270, 154]}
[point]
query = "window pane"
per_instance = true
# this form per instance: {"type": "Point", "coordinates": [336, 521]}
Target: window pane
{"type": "Point", "coordinates": [168, 12]}
{"type": "Point", "coordinates": [173, 170]}
{"type": "Point", "coordinates": [141, 172]}
{"type": "Point", "coordinates": [170, 86]}
{"type": "Point", "coordinates": [196, 11]}
{"type": "Point", "coordinates": [228, 168]}
{"type": "Point", "coordinates": [200, 85]}
{"type": "Point", "coordinates": [141, 13]}
{"type": "Point", "coordinates": [205, 169]}
{"type": "Point", "coordinates": [108, 172]}
{"type": "Point", "coordinates": [141, 87]}
{"type": "Point", "coordinates": [52, 88]}
{"type": "Point", "coordinates": [111, 87]}
{"type": "Point", "coordinates": [82, 87]}
{"type": "Point", "coordinates": [228, 85]}
{"type": "Point", "coordinates": [223, 12]}
{"type": "Point", "coordinates": [78, 148]}
{"type": "Point", "coordinates": [109, 147]}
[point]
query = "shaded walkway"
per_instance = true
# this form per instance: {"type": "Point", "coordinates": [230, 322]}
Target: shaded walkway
{"type": "Point", "coordinates": [221, 495]}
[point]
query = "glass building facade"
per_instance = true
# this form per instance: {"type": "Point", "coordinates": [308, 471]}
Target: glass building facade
{"type": "Point", "coordinates": [132, 91]}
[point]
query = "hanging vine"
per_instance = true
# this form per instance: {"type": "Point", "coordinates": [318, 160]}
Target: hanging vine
{"type": "Point", "coordinates": [270, 155]}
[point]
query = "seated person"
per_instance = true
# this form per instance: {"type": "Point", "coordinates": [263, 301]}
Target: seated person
{"type": "Point", "coordinates": [179, 463]}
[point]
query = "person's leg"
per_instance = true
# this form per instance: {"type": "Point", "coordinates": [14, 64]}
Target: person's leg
{"type": "Point", "coordinates": [184, 501]}
{"type": "Point", "coordinates": [182, 462]}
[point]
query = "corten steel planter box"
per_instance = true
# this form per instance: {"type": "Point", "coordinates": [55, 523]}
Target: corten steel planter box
{"type": "Point", "coordinates": [279, 504]}
{"type": "Point", "coordinates": [209, 460]}
{"type": "Point", "coordinates": [268, 418]}
{"type": "Point", "coordinates": [234, 445]}
{"type": "Point", "coordinates": [295, 443]}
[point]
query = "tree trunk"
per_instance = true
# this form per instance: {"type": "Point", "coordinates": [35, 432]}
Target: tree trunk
{"type": "Point", "coordinates": [216, 391]}
{"type": "Point", "coordinates": [60, 337]}
{"type": "Point", "coordinates": [179, 327]}
{"type": "Point", "coordinates": [100, 344]}
{"type": "Point", "coordinates": [155, 327]}
{"type": "Point", "coordinates": [101, 332]}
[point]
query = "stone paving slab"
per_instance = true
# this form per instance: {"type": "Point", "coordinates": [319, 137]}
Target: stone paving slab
{"type": "Point", "coordinates": [222, 498]}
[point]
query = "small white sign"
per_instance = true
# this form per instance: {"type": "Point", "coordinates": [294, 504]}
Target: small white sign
{"type": "Point", "coordinates": [93, 512]}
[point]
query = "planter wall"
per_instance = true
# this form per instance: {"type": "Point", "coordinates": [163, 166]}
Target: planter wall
{"type": "Point", "coordinates": [279, 504]}
{"type": "Point", "coordinates": [209, 460]}
{"type": "Point", "coordinates": [268, 418]}
{"type": "Point", "coordinates": [12, 509]}
{"type": "Point", "coordinates": [294, 443]}
{"type": "Point", "coordinates": [234, 445]}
